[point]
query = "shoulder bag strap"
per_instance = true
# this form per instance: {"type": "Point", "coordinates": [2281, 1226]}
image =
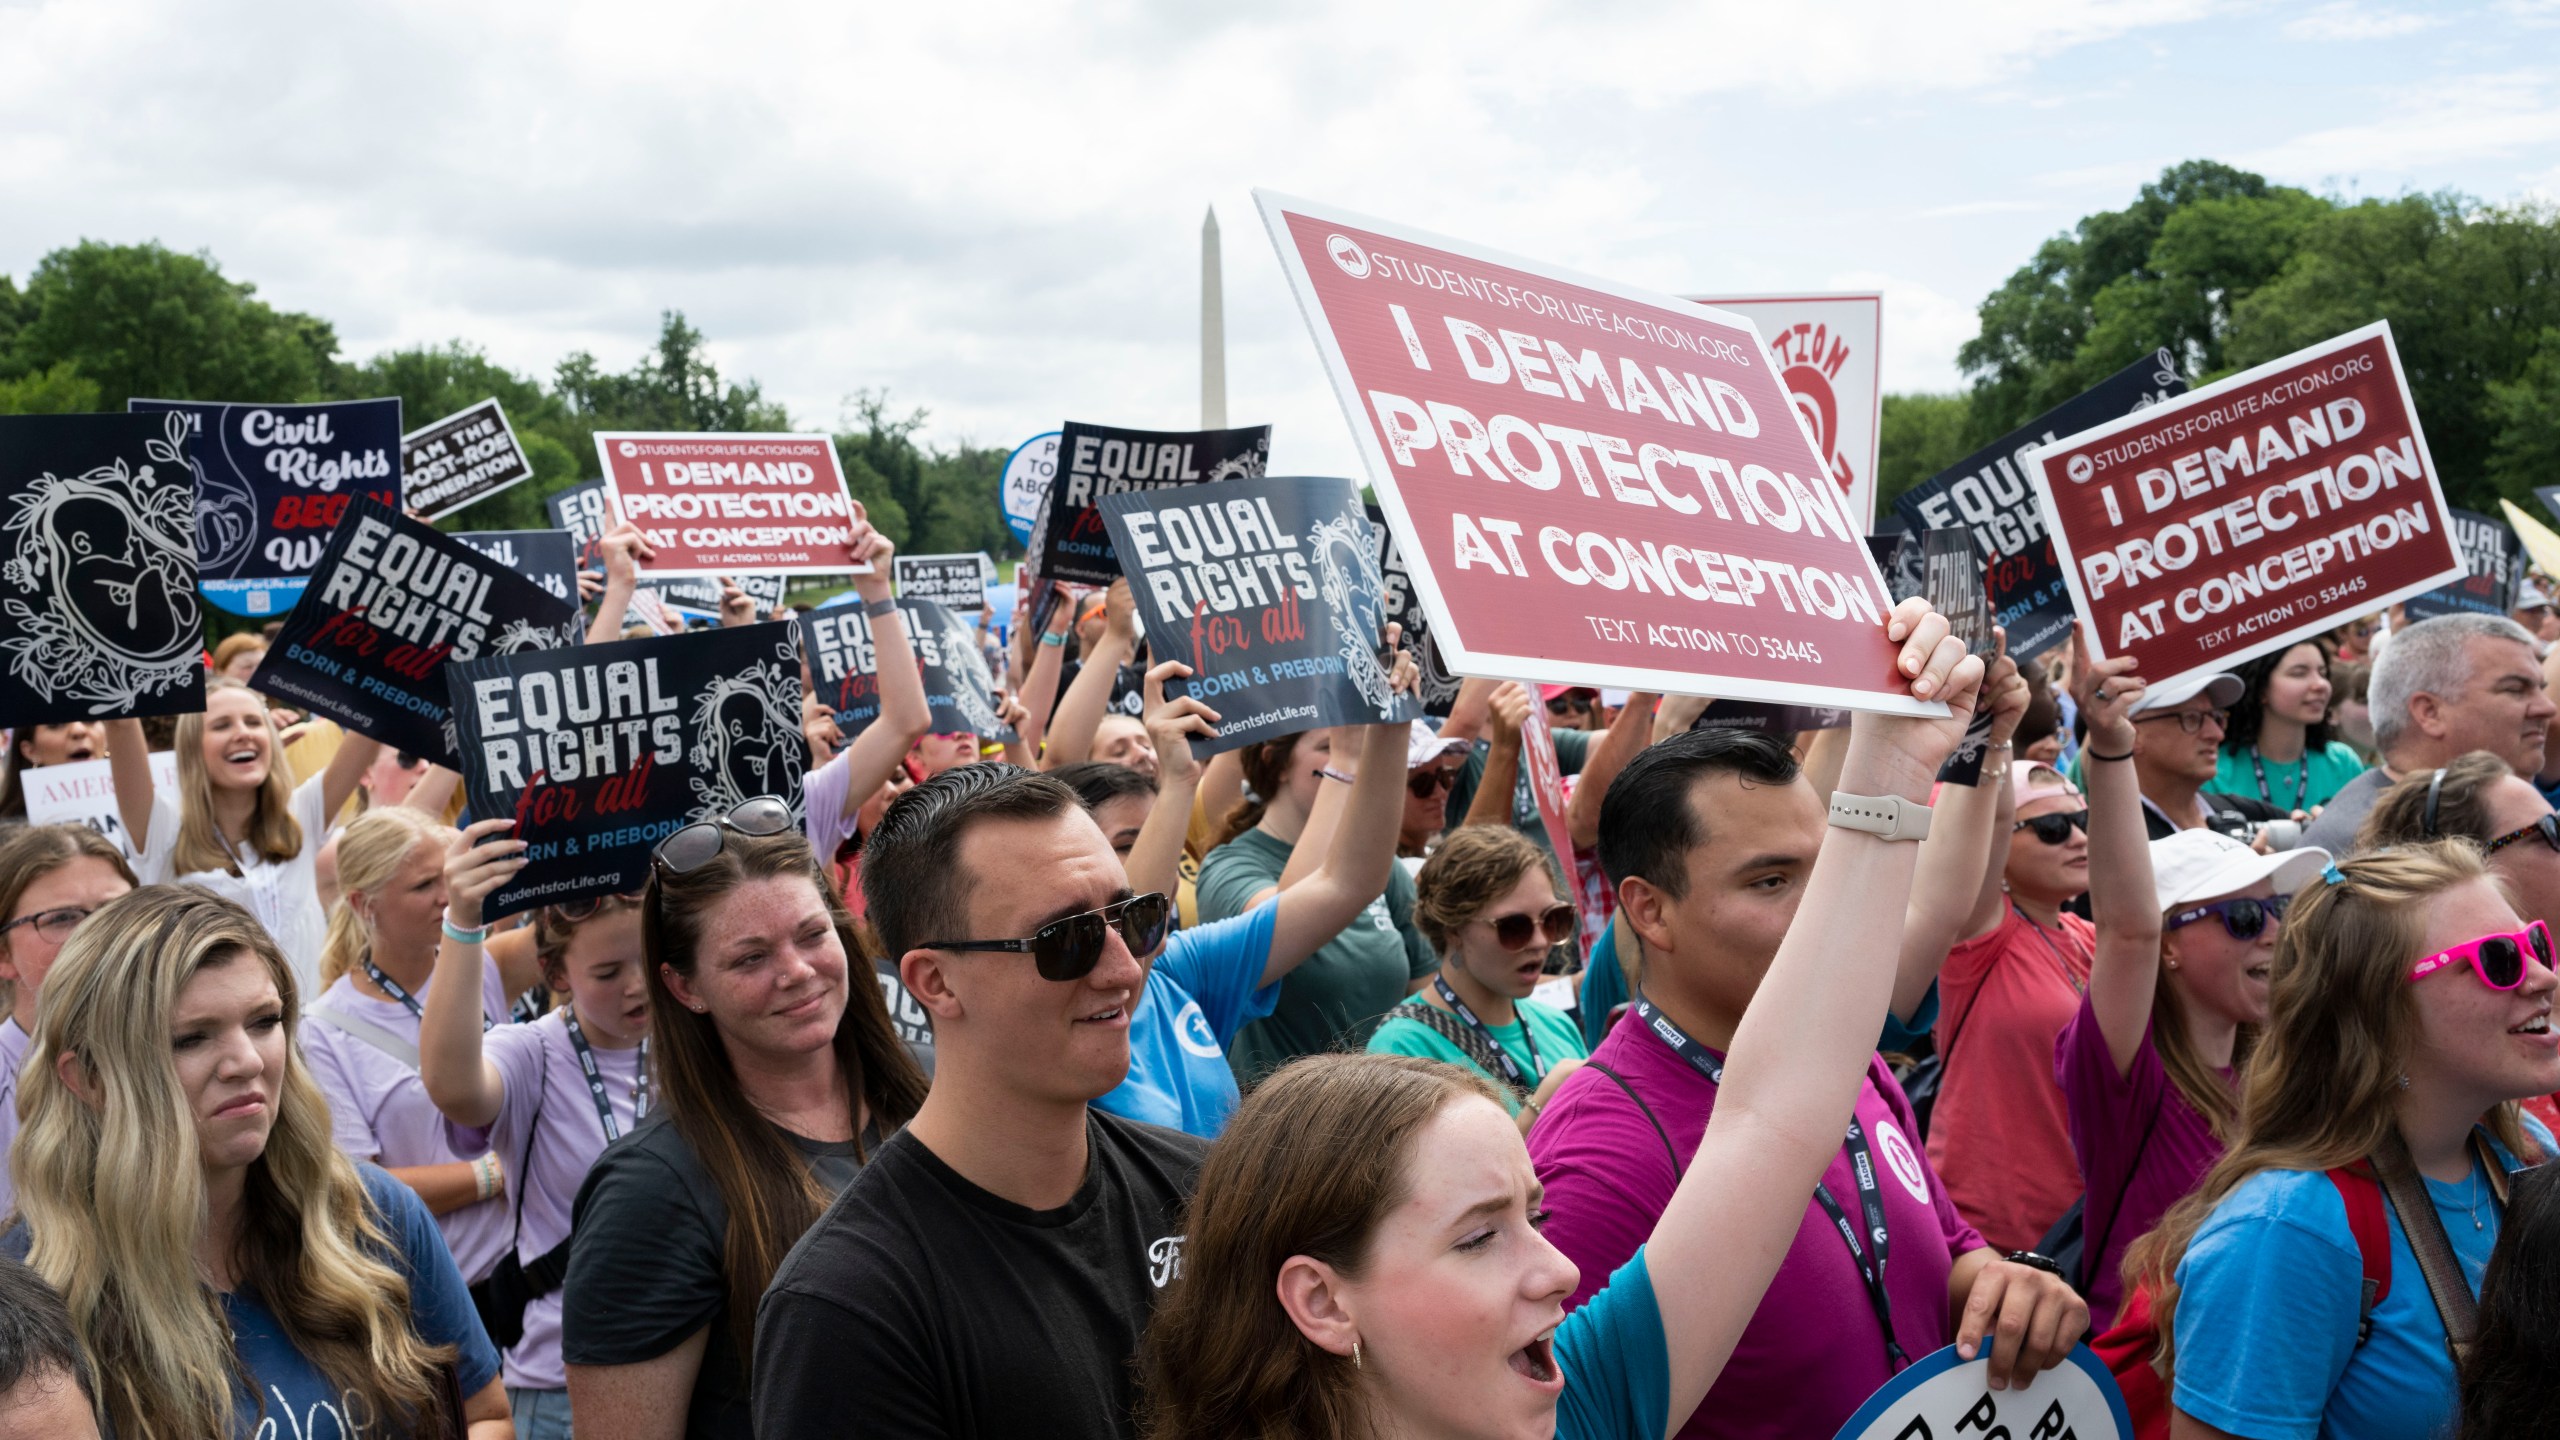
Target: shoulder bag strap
{"type": "Point", "coordinates": [2456, 1306]}
{"type": "Point", "coordinates": [1448, 1028]}
{"type": "Point", "coordinates": [366, 1031]}
{"type": "Point", "coordinates": [1650, 1117]}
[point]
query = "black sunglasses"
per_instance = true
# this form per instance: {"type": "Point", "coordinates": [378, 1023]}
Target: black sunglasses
{"type": "Point", "coordinates": [697, 844]}
{"type": "Point", "coordinates": [1423, 784]}
{"type": "Point", "coordinates": [1567, 704]}
{"type": "Point", "coordinates": [1068, 949]}
{"type": "Point", "coordinates": [575, 912]}
{"type": "Point", "coordinates": [2548, 827]}
{"type": "Point", "coordinates": [2055, 829]}
{"type": "Point", "coordinates": [1516, 932]}
{"type": "Point", "coordinates": [2245, 918]}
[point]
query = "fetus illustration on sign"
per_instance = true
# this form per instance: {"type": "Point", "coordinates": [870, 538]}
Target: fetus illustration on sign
{"type": "Point", "coordinates": [104, 566]}
{"type": "Point", "coordinates": [1347, 581]}
{"type": "Point", "coordinates": [746, 734]}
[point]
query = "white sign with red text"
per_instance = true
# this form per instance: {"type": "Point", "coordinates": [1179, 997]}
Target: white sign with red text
{"type": "Point", "coordinates": [1826, 349]}
{"type": "Point", "coordinates": [733, 504]}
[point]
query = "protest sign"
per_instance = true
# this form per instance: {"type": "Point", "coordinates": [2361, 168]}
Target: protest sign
{"type": "Point", "coordinates": [393, 601]}
{"type": "Point", "coordinates": [1943, 1396]}
{"type": "Point", "coordinates": [1546, 783]}
{"type": "Point", "coordinates": [733, 504]}
{"type": "Point", "coordinates": [2250, 514]}
{"type": "Point", "coordinates": [1027, 473]}
{"type": "Point", "coordinates": [548, 558]}
{"type": "Point", "coordinates": [959, 689]}
{"type": "Point", "coordinates": [602, 751]}
{"type": "Point", "coordinates": [1093, 461]}
{"type": "Point", "coordinates": [460, 460]}
{"type": "Point", "coordinates": [956, 582]}
{"type": "Point", "coordinates": [586, 511]}
{"type": "Point", "coordinates": [1987, 492]}
{"type": "Point", "coordinates": [1826, 349]}
{"type": "Point", "coordinates": [2549, 495]}
{"type": "Point", "coordinates": [2493, 554]}
{"type": "Point", "coordinates": [1439, 689]}
{"type": "Point", "coordinates": [1591, 484]}
{"type": "Point", "coordinates": [84, 793]}
{"type": "Point", "coordinates": [2538, 539]}
{"type": "Point", "coordinates": [1951, 576]}
{"type": "Point", "coordinates": [98, 609]}
{"type": "Point", "coordinates": [271, 482]}
{"type": "Point", "coordinates": [1268, 589]}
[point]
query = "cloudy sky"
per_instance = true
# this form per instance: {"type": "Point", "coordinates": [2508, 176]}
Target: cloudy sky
{"type": "Point", "coordinates": [993, 209]}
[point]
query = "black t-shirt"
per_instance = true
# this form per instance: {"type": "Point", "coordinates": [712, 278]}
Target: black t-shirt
{"type": "Point", "coordinates": [647, 1268]}
{"type": "Point", "coordinates": [927, 1306]}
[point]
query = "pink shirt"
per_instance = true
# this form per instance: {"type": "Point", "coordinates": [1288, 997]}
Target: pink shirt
{"type": "Point", "coordinates": [2141, 1144]}
{"type": "Point", "coordinates": [1814, 1349]}
{"type": "Point", "coordinates": [1999, 1133]}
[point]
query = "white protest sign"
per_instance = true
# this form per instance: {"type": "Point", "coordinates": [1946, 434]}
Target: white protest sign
{"type": "Point", "coordinates": [84, 793]}
{"type": "Point", "coordinates": [1945, 1397]}
{"type": "Point", "coordinates": [1826, 351]}
{"type": "Point", "coordinates": [958, 583]}
{"type": "Point", "coordinates": [1027, 473]}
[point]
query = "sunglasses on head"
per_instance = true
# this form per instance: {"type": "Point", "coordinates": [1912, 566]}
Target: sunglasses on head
{"type": "Point", "coordinates": [2548, 827]}
{"type": "Point", "coordinates": [1069, 948]}
{"type": "Point", "coordinates": [2245, 917]}
{"type": "Point", "coordinates": [1554, 926]}
{"type": "Point", "coordinates": [575, 912]}
{"type": "Point", "coordinates": [1423, 784]}
{"type": "Point", "coordinates": [697, 844]}
{"type": "Point", "coordinates": [2056, 828]}
{"type": "Point", "coordinates": [2497, 959]}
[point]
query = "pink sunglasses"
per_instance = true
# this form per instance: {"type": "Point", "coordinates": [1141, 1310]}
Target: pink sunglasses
{"type": "Point", "coordinates": [2497, 959]}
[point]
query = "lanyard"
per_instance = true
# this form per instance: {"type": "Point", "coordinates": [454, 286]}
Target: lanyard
{"type": "Point", "coordinates": [1862, 1166]}
{"type": "Point", "coordinates": [1510, 1067]}
{"type": "Point", "coordinates": [595, 1078]}
{"type": "Point", "coordinates": [392, 988]}
{"type": "Point", "coordinates": [2302, 782]}
{"type": "Point", "coordinates": [2078, 985]}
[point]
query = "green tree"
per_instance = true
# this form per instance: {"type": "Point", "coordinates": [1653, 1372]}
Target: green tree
{"type": "Point", "coordinates": [1918, 436]}
{"type": "Point", "coordinates": [62, 390]}
{"type": "Point", "coordinates": [677, 388]}
{"type": "Point", "coordinates": [434, 381]}
{"type": "Point", "coordinates": [2526, 411]}
{"type": "Point", "coordinates": [145, 320]}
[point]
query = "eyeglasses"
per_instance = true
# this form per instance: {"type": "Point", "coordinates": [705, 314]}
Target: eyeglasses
{"type": "Point", "coordinates": [2244, 918]}
{"type": "Point", "coordinates": [51, 926]}
{"type": "Point", "coordinates": [2191, 721]}
{"type": "Point", "coordinates": [697, 844]}
{"type": "Point", "coordinates": [1423, 784]}
{"type": "Point", "coordinates": [2548, 827]}
{"type": "Point", "coordinates": [1518, 932]}
{"type": "Point", "coordinates": [2497, 959]}
{"type": "Point", "coordinates": [575, 912]}
{"type": "Point", "coordinates": [2055, 829]}
{"type": "Point", "coordinates": [1068, 949]}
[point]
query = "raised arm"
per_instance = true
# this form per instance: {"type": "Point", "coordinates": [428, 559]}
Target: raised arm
{"type": "Point", "coordinates": [1824, 754]}
{"type": "Point", "coordinates": [871, 756]}
{"type": "Point", "coordinates": [459, 1078]}
{"type": "Point", "coordinates": [1627, 737]}
{"type": "Point", "coordinates": [1356, 864]}
{"type": "Point", "coordinates": [622, 548]}
{"type": "Point", "coordinates": [1505, 712]}
{"type": "Point", "coordinates": [129, 764]}
{"type": "Point", "coordinates": [1155, 862]}
{"type": "Point", "coordinates": [433, 794]}
{"type": "Point", "coordinates": [2125, 971]}
{"type": "Point", "coordinates": [1949, 883]}
{"type": "Point", "coordinates": [356, 754]}
{"type": "Point", "coordinates": [1079, 713]}
{"type": "Point", "coordinates": [1792, 1078]}
{"type": "Point", "coordinates": [1039, 684]}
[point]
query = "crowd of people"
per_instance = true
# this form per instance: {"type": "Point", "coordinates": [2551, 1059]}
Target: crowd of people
{"type": "Point", "coordinates": [1078, 1087]}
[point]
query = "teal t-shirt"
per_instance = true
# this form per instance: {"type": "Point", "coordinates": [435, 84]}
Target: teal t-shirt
{"type": "Point", "coordinates": [2315, 779]}
{"type": "Point", "coordinates": [1573, 747]}
{"type": "Point", "coordinates": [1554, 1031]}
{"type": "Point", "coordinates": [1333, 1000]}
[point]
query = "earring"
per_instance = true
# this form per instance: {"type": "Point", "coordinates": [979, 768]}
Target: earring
{"type": "Point", "coordinates": [1355, 1354]}
{"type": "Point", "coordinates": [2173, 964]}
{"type": "Point", "coordinates": [2404, 1081]}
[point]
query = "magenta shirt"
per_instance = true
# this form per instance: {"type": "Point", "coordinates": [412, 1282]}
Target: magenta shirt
{"type": "Point", "coordinates": [2110, 1116]}
{"type": "Point", "coordinates": [1813, 1351]}
{"type": "Point", "coordinates": [539, 1068]}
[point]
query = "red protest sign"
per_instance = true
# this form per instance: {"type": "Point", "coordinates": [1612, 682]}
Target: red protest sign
{"type": "Point", "coordinates": [2250, 514]}
{"type": "Point", "coordinates": [1546, 781]}
{"type": "Point", "coordinates": [1590, 484]}
{"type": "Point", "coordinates": [733, 504]}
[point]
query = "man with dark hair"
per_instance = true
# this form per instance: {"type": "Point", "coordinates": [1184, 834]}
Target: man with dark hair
{"type": "Point", "coordinates": [2177, 749]}
{"type": "Point", "coordinates": [1710, 838]}
{"type": "Point", "coordinates": [991, 1269]}
{"type": "Point", "coordinates": [45, 1387]}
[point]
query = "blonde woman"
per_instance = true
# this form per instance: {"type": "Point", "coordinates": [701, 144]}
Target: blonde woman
{"type": "Point", "coordinates": [362, 1032]}
{"type": "Point", "coordinates": [230, 1273]}
{"type": "Point", "coordinates": [238, 826]}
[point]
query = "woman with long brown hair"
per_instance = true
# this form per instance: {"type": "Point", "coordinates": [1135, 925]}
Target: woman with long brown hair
{"type": "Point", "coordinates": [52, 878]}
{"type": "Point", "coordinates": [2410, 1010]}
{"type": "Point", "coordinates": [230, 1272]}
{"type": "Point", "coordinates": [777, 1073]}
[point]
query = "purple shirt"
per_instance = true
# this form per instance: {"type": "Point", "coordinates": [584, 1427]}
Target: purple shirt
{"type": "Point", "coordinates": [1813, 1351]}
{"type": "Point", "coordinates": [2133, 1180]}
{"type": "Point", "coordinates": [539, 1068]}
{"type": "Point", "coordinates": [379, 1110]}
{"type": "Point", "coordinates": [13, 1053]}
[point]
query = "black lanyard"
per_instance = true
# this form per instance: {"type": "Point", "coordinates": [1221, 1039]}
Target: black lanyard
{"type": "Point", "coordinates": [595, 1078]}
{"type": "Point", "coordinates": [1862, 1166]}
{"type": "Point", "coordinates": [1510, 1067]}
{"type": "Point", "coordinates": [2302, 783]}
{"type": "Point", "coordinates": [392, 988]}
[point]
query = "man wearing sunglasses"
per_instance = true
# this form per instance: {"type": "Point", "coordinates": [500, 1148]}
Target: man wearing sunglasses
{"type": "Point", "coordinates": [2177, 748]}
{"type": "Point", "coordinates": [990, 1270]}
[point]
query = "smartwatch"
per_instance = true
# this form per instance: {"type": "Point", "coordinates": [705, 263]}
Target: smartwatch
{"type": "Point", "coordinates": [2034, 1261]}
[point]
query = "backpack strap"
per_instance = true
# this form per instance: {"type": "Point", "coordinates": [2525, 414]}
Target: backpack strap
{"type": "Point", "coordinates": [1447, 1026]}
{"type": "Point", "coordinates": [2456, 1306]}
{"type": "Point", "coordinates": [1650, 1117]}
{"type": "Point", "coordinates": [357, 1028]}
{"type": "Point", "coordinates": [2372, 1229]}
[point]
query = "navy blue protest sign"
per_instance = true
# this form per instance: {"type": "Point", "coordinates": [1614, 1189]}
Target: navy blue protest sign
{"type": "Point", "coordinates": [1069, 540]}
{"type": "Point", "coordinates": [1269, 590]}
{"type": "Point", "coordinates": [1439, 689]}
{"type": "Point", "coordinates": [602, 751]}
{"type": "Point", "coordinates": [585, 510]}
{"type": "Point", "coordinates": [98, 611]}
{"type": "Point", "coordinates": [2495, 556]}
{"type": "Point", "coordinates": [392, 602]}
{"type": "Point", "coordinates": [548, 558]}
{"type": "Point", "coordinates": [272, 481]}
{"type": "Point", "coordinates": [1989, 494]}
{"type": "Point", "coordinates": [959, 690]}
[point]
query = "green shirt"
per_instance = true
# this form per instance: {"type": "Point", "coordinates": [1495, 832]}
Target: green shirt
{"type": "Point", "coordinates": [2313, 780]}
{"type": "Point", "coordinates": [1555, 1032]}
{"type": "Point", "coordinates": [1572, 748]}
{"type": "Point", "coordinates": [1334, 999]}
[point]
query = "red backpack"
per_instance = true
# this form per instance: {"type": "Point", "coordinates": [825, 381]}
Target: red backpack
{"type": "Point", "coordinates": [2127, 1347]}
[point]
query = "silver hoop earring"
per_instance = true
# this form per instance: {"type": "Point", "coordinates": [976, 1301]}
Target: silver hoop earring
{"type": "Point", "coordinates": [1355, 1354]}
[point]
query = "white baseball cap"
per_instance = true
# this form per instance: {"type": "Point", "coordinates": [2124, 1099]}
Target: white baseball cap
{"type": "Point", "coordinates": [1425, 745]}
{"type": "Point", "coordinates": [2225, 689]}
{"type": "Point", "coordinates": [2200, 864]}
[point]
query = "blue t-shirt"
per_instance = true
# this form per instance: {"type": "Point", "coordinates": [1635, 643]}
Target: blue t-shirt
{"type": "Point", "coordinates": [1200, 992]}
{"type": "Point", "coordinates": [1616, 1364]}
{"type": "Point", "coordinates": [2267, 1299]}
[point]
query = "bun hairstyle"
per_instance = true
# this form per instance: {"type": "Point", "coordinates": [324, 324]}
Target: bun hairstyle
{"type": "Point", "coordinates": [1266, 773]}
{"type": "Point", "coordinates": [1474, 866]}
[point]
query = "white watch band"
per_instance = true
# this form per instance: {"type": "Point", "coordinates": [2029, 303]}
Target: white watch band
{"type": "Point", "coordinates": [1888, 817]}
